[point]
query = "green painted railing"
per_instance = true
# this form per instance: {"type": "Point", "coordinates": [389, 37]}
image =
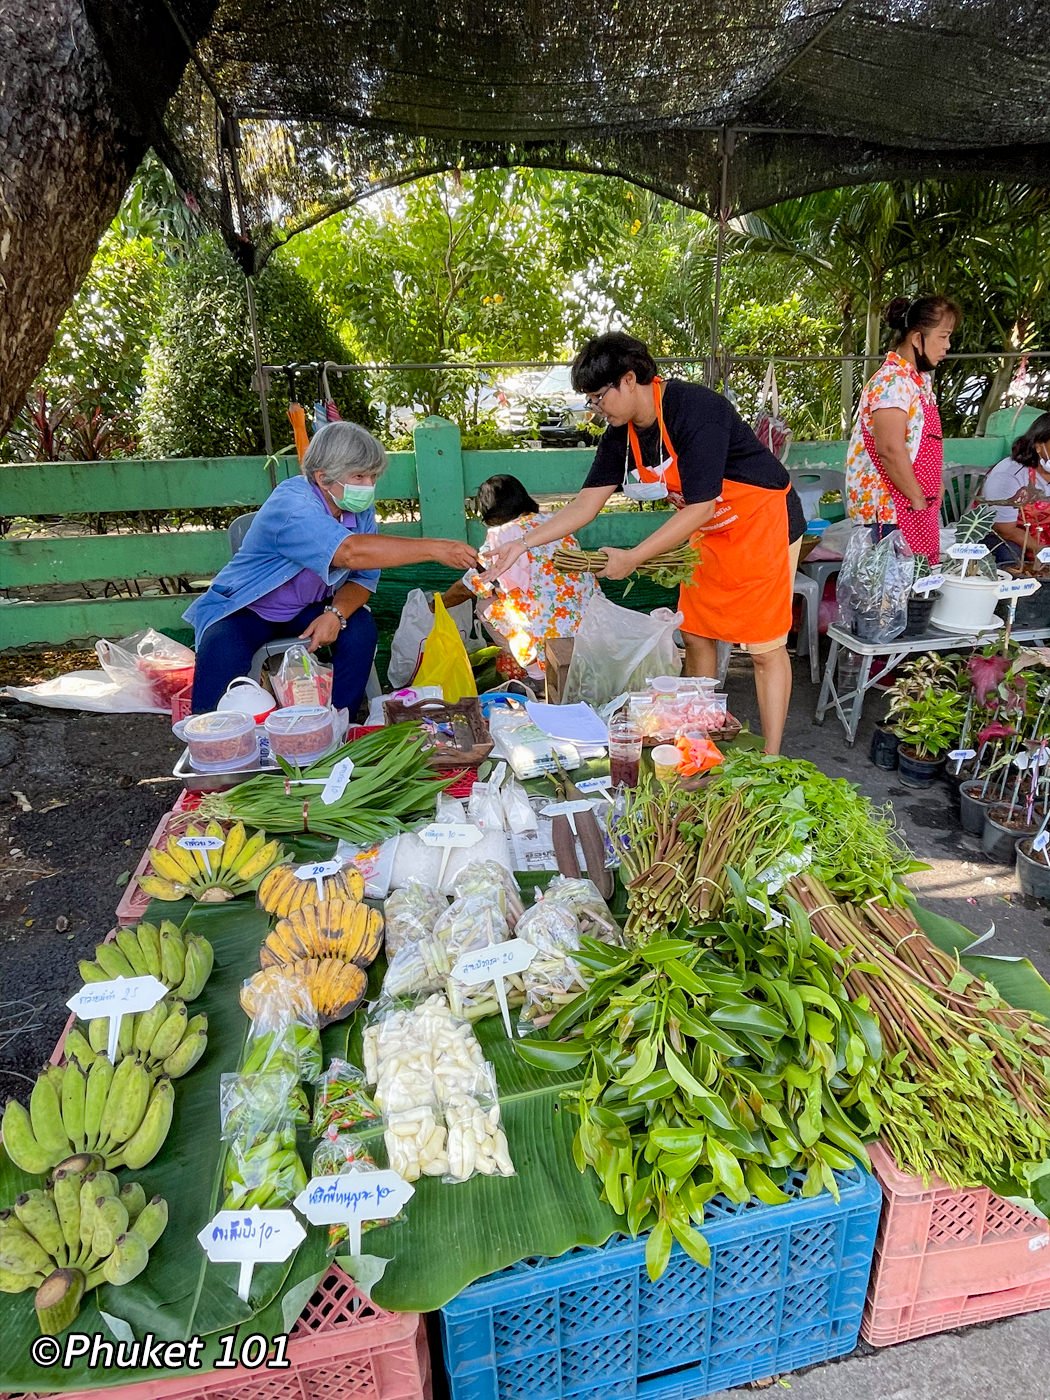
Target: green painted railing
{"type": "Point", "coordinates": [438, 476]}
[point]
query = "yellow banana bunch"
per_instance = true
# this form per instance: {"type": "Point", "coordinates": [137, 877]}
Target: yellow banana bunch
{"type": "Point", "coordinates": [281, 892]}
{"type": "Point", "coordinates": [334, 986]}
{"type": "Point", "coordinates": [338, 928]}
{"type": "Point", "coordinates": [212, 876]}
{"type": "Point", "coordinates": [78, 1232]}
{"type": "Point", "coordinates": [183, 962]}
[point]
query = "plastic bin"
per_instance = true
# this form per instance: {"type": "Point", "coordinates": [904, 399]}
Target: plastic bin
{"type": "Point", "coordinates": [946, 1258]}
{"type": "Point", "coordinates": [785, 1289]}
{"type": "Point", "coordinates": [342, 1348]}
{"type": "Point", "coordinates": [133, 903]}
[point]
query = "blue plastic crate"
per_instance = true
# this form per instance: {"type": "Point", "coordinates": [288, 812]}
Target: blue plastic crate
{"type": "Point", "coordinates": [785, 1289]}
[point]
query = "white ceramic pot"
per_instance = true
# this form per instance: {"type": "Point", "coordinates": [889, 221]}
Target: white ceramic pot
{"type": "Point", "coordinates": [967, 605]}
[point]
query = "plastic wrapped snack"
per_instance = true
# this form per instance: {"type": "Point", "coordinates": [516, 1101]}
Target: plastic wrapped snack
{"type": "Point", "coordinates": [416, 1142]}
{"type": "Point", "coordinates": [340, 1101]}
{"type": "Point", "coordinates": [417, 967]}
{"type": "Point", "coordinates": [582, 898]}
{"type": "Point", "coordinates": [476, 1142]}
{"type": "Point", "coordinates": [474, 922]}
{"type": "Point", "coordinates": [491, 881]}
{"type": "Point", "coordinates": [553, 978]}
{"type": "Point", "coordinates": [302, 679]}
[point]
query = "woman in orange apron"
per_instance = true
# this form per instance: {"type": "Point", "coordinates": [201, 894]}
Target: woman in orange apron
{"type": "Point", "coordinates": [732, 498]}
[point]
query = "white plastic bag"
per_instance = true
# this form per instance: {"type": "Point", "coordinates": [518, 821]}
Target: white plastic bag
{"type": "Point", "coordinates": [616, 648]}
{"type": "Point", "coordinates": [147, 665]}
{"type": "Point", "coordinates": [406, 648]}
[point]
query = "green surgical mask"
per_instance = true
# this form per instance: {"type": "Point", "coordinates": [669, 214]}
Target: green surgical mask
{"type": "Point", "coordinates": [355, 498]}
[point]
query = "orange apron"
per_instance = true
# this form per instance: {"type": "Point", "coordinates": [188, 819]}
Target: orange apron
{"type": "Point", "coordinates": [741, 591]}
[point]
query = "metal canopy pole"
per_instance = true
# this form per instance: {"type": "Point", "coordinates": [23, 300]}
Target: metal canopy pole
{"type": "Point", "coordinates": [726, 139]}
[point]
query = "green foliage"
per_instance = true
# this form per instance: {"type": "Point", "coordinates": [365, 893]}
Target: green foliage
{"type": "Point", "coordinates": [927, 705]}
{"type": "Point", "coordinates": [199, 400]}
{"type": "Point", "coordinates": [809, 392]}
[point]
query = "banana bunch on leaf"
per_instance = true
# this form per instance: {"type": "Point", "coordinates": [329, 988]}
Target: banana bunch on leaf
{"type": "Point", "coordinates": [169, 1040]}
{"type": "Point", "coordinates": [338, 928]}
{"type": "Point", "coordinates": [182, 961]}
{"type": "Point", "coordinates": [211, 876]}
{"type": "Point", "coordinates": [122, 1114]}
{"type": "Point", "coordinates": [281, 892]}
{"type": "Point", "coordinates": [81, 1230]}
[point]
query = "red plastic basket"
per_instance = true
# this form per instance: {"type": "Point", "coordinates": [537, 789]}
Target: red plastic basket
{"type": "Point", "coordinates": [133, 904]}
{"type": "Point", "coordinates": [342, 1348]}
{"type": "Point", "coordinates": [946, 1258]}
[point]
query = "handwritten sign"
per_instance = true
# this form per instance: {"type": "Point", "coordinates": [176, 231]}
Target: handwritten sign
{"type": "Point", "coordinates": [203, 844]}
{"type": "Point", "coordinates": [1019, 588]}
{"type": "Point", "coordinates": [599, 785]}
{"type": "Point", "coordinates": [319, 870]}
{"type": "Point", "coordinates": [493, 964]}
{"type": "Point", "coordinates": [774, 919]}
{"type": "Point", "coordinates": [353, 1197]}
{"type": "Point", "coordinates": [927, 584]}
{"type": "Point", "coordinates": [967, 551]}
{"type": "Point", "coordinates": [1044, 556]}
{"type": "Point", "coordinates": [250, 1237]}
{"type": "Point", "coordinates": [337, 780]}
{"type": "Point", "coordinates": [1040, 842]}
{"type": "Point", "coordinates": [117, 998]}
{"type": "Point", "coordinates": [961, 755]}
{"type": "Point", "coordinates": [566, 809]}
{"type": "Point", "coordinates": [450, 836]}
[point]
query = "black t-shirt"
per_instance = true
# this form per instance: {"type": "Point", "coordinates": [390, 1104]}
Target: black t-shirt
{"type": "Point", "coordinates": [713, 444]}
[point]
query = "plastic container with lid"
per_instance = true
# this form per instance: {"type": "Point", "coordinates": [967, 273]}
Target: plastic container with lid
{"type": "Point", "coordinates": [219, 740]}
{"type": "Point", "coordinates": [300, 734]}
{"type": "Point", "coordinates": [247, 697]}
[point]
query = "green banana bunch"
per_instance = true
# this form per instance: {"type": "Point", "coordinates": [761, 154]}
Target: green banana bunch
{"type": "Point", "coordinates": [267, 1172]}
{"type": "Point", "coordinates": [183, 962]}
{"type": "Point", "coordinates": [81, 1230]}
{"type": "Point", "coordinates": [233, 869]}
{"type": "Point", "coordinates": [168, 1039]}
{"type": "Point", "coordinates": [122, 1114]}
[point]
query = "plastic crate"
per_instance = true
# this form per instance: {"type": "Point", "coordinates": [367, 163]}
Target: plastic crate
{"type": "Point", "coordinates": [341, 1348]}
{"type": "Point", "coordinates": [946, 1258]}
{"type": "Point", "coordinates": [785, 1289]}
{"type": "Point", "coordinates": [133, 903]}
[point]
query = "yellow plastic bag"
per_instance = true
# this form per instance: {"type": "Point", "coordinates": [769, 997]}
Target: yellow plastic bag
{"type": "Point", "coordinates": [445, 661]}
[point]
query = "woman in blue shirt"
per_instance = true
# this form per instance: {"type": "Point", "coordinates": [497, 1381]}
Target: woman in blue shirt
{"type": "Point", "coordinates": [308, 566]}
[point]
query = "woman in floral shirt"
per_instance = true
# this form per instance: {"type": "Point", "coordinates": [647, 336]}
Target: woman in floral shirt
{"type": "Point", "coordinates": [534, 600]}
{"type": "Point", "coordinates": [895, 460]}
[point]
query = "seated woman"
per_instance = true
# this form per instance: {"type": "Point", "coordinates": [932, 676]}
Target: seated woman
{"type": "Point", "coordinates": [1022, 521]}
{"type": "Point", "coordinates": [308, 567]}
{"type": "Point", "coordinates": [535, 600]}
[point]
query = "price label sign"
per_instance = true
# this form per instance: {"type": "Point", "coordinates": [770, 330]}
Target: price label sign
{"type": "Point", "coordinates": [120, 997]}
{"type": "Point", "coordinates": [250, 1237]}
{"type": "Point", "coordinates": [1019, 588]}
{"type": "Point", "coordinates": [351, 1198]}
{"type": "Point", "coordinates": [337, 780]}
{"type": "Point", "coordinates": [450, 836]}
{"type": "Point", "coordinates": [566, 809]}
{"type": "Point", "coordinates": [319, 870]}
{"type": "Point", "coordinates": [962, 755]}
{"type": "Point", "coordinates": [927, 584]}
{"type": "Point", "coordinates": [1040, 842]}
{"type": "Point", "coordinates": [203, 844]}
{"type": "Point", "coordinates": [599, 785]}
{"type": "Point", "coordinates": [773, 920]}
{"type": "Point", "coordinates": [1044, 556]}
{"type": "Point", "coordinates": [493, 964]}
{"type": "Point", "coordinates": [967, 551]}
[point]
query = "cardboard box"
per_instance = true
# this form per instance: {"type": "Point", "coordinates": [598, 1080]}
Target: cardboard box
{"type": "Point", "coordinates": [557, 655]}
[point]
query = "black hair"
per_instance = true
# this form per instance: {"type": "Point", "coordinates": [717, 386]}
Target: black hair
{"type": "Point", "coordinates": [923, 313]}
{"type": "Point", "coordinates": [607, 358]}
{"type": "Point", "coordinates": [502, 499]}
{"type": "Point", "coordinates": [1023, 450]}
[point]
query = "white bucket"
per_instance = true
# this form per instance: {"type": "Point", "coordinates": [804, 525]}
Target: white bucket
{"type": "Point", "coordinates": [967, 605]}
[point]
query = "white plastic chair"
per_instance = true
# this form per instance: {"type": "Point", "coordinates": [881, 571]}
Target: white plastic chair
{"type": "Point", "coordinates": [810, 592]}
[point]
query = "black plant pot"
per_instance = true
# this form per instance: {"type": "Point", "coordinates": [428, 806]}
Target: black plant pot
{"type": "Point", "coordinates": [866, 628]}
{"type": "Point", "coordinates": [1033, 611]}
{"type": "Point", "coordinates": [883, 751]}
{"type": "Point", "coordinates": [998, 840]}
{"type": "Point", "coordinates": [1033, 873]}
{"type": "Point", "coordinates": [919, 610]}
{"type": "Point", "coordinates": [972, 807]}
{"type": "Point", "coordinates": [917, 772]}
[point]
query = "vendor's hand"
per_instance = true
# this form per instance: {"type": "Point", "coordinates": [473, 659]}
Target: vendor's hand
{"type": "Point", "coordinates": [619, 563]}
{"type": "Point", "coordinates": [918, 501]}
{"type": "Point", "coordinates": [322, 632]}
{"type": "Point", "coordinates": [499, 560]}
{"type": "Point", "coordinates": [455, 554]}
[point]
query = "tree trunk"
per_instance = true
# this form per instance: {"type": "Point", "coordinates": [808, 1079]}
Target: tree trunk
{"type": "Point", "coordinates": [997, 387]}
{"type": "Point", "coordinates": [69, 144]}
{"type": "Point", "coordinates": [872, 322]}
{"type": "Point", "coordinates": [846, 375]}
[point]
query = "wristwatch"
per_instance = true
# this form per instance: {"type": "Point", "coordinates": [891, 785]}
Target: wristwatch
{"type": "Point", "coordinates": [330, 607]}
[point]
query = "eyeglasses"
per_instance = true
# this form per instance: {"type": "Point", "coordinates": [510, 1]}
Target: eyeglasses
{"type": "Point", "coordinates": [595, 400]}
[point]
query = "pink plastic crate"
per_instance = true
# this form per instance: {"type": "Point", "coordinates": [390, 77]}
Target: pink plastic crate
{"type": "Point", "coordinates": [180, 704]}
{"type": "Point", "coordinates": [342, 1348]}
{"type": "Point", "coordinates": [946, 1258]}
{"type": "Point", "coordinates": [133, 903]}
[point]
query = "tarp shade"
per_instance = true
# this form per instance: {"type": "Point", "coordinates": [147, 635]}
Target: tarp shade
{"type": "Point", "coordinates": [334, 98]}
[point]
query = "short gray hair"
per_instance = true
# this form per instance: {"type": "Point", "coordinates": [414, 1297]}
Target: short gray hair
{"type": "Point", "coordinates": [339, 450]}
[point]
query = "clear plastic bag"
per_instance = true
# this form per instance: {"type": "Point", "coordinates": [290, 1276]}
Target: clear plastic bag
{"type": "Point", "coordinates": [874, 584]}
{"type": "Point", "coordinates": [553, 978]}
{"type": "Point", "coordinates": [340, 1101]}
{"type": "Point", "coordinates": [284, 1034]}
{"type": "Point", "coordinates": [337, 1153]}
{"type": "Point", "coordinates": [485, 808]}
{"type": "Point", "coordinates": [257, 1121]}
{"type": "Point", "coordinates": [416, 861]}
{"type": "Point", "coordinates": [411, 913]}
{"type": "Point", "coordinates": [582, 898]}
{"type": "Point", "coordinates": [301, 679]}
{"type": "Point", "coordinates": [616, 648]}
{"type": "Point", "coordinates": [492, 881]}
{"type": "Point", "coordinates": [476, 1143]}
{"type": "Point", "coordinates": [147, 665]}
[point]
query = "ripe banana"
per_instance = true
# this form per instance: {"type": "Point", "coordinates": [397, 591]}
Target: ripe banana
{"type": "Point", "coordinates": [184, 862]}
{"type": "Point", "coordinates": [158, 888]}
{"type": "Point", "coordinates": [236, 840]}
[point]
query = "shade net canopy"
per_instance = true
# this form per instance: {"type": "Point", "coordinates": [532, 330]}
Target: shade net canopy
{"type": "Point", "coordinates": [718, 106]}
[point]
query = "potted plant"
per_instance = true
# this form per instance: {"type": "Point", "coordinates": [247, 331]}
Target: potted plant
{"type": "Point", "coordinates": [967, 598]}
{"type": "Point", "coordinates": [920, 604]}
{"type": "Point", "coordinates": [1033, 865]}
{"type": "Point", "coordinates": [926, 713]}
{"type": "Point", "coordinates": [830, 506]}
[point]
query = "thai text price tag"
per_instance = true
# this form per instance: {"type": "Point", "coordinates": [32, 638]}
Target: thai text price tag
{"type": "Point", "coordinates": [450, 836]}
{"type": "Point", "coordinates": [1044, 556]}
{"type": "Point", "coordinates": [493, 964]}
{"type": "Point", "coordinates": [353, 1197]}
{"type": "Point", "coordinates": [1019, 588]}
{"type": "Point", "coordinates": [566, 809]}
{"type": "Point", "coordinates": [1040, 842]}
{"type": "Point", "coordinates": [967, 551]}
{"type": "Point", "coordinates": [961, 755]}
{"type": "Point", "coordinates": [927, 584]}
{"type": "Point", "coordinates": [203, 844]}
{"type": "Point", "coordinates": [319, 870]}
{"type": "Point", "coordinates": [774, 918]}
{"type": "Point", "coordinates": [117, 998]}
{"type": "Point", "coordinates": [250, 1237]}
{"type": "Point", "coordinates": [337, 780]}
{"type": "Point", "coordinates": [599, 785]}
